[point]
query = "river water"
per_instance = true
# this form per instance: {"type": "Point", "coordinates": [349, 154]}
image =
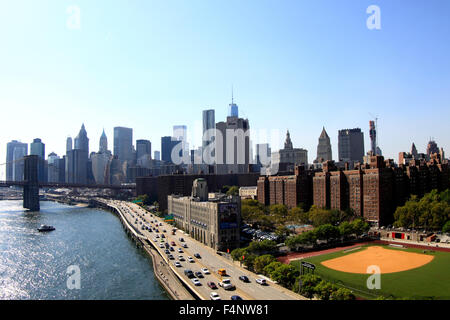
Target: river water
{"type": "Point", "coordinates": [35, 265]}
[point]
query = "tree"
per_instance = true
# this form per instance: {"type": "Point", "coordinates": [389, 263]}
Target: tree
{"type": "Point", "coordinates": [360, 226]}
{"type": "Point", "coordinates": [297, 215]}
{"type": "Point", "coordinates": [327, 232]}
{"type": "Point", "coordinates": [267, 270]}
{"type": "Point", "coordinates": [446, 227]}
{"type": "Point", "coordinates": [285, 275]}
{"type": "Point", "coordinates": [308, 284]}
{"type": "Point", "coordinates": [262, 261]}
{"type": "Point", "coordinates": [237, 254]}
{"type": "Point", "coordinates": [233, 191]}
{"type": "Point", "coordinates": [324, 289]}
{"type": "Point", "coordinates": [262, 247]}
{"type": "Point", "coordinates": [319, 217]}
{"type": "Point", "coordinates": [283, 232]}
{"type": "Point", "coordinates": [278, 210]}
{"type": "Point", "coordinates": [342, 294]}
{"type": "Point", "coordinates": [346, 229]}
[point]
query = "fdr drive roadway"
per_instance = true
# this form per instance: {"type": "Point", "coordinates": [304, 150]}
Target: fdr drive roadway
{"type": "Point", "coordinates": [208, 259]}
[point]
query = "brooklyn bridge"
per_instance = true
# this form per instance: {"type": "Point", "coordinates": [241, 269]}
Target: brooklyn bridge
{"type": "Point", "coordinates": [31, 185]}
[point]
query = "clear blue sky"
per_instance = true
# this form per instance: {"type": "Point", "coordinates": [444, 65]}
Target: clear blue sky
{"type": "Point", "coordinates": [296, 65]}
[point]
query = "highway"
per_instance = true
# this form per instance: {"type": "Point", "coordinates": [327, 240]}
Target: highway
{"type": "Point", "coordinates": [208, 259]}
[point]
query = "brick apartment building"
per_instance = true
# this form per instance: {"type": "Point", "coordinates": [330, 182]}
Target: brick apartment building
{"type": "Point", "coordinates": [373, 190]}
{"type": "Point", "coordinates": [289, 190]}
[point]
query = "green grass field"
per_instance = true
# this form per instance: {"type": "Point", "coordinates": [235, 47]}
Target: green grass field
{"type": "Point", "coordinates": [431, 281]}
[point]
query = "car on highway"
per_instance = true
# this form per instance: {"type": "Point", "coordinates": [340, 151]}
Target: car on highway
{"type": "Point", "coordinates": [197, 255]}
{"type": "Point", "coordinates": [172, 243]}
{"type": "Point", "coordinates": [226, 284]}
{"type": "Point", "coordinates": [190, 259]}
{"type": "Point", "coordinates": [198, 274]}
{"type": "Point", "coordinates": [181, 239]}
{"type": "Point", "coordinates": [181, 258]}
{"type": "Point", "coordinates": [212, 285]}
{"type": "Point", "coordinates": [244, 278]}
{"type": "Point", "coordinates": [214, 296]}
{"type": "Point", "coordinates": [157, 236]}
{"type": "Point", "coordinates": [185, 245]}
{"type": "Point", "coordinates": [222, 272]}
{"type": "Point", "coordinates": [171, 249]}
{"type": "Point", "coordinates": [236, 298]}
{"type": "Point", "coordinates": [180, 250]}
{"type": "Point", "coordinates": [177, 264]}
{"type": "Point", "coordinates": [167, 251]}
{"type": "Point", "coordinates": [189, 273]}
{"type": "Point", "coordinates": [196, 282]}
{"type": "Point", "coordinates": [171, 257]}
{"type": "Point", "coordinates": [261, 281]}
{"type": "Point", "coordinates": [205, 270]}
{"type": "Point", "coordinates": [161, 245]}
{"type": "Point", "coordinates": [163, 236]}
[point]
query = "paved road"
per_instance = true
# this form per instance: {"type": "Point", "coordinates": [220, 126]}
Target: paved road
{"type": "Point", "coordinates": [209, 259]}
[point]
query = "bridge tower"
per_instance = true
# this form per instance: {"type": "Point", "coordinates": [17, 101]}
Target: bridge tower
{"type": "Point", "coordinates": [31, 186]}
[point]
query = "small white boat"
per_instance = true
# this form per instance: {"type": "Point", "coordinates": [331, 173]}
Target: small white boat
{"type": "Point", "coordinates": [44, 228]}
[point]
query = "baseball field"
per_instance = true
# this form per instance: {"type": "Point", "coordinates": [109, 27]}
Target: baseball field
{"type": "Point", "coordinates": [405, 273]}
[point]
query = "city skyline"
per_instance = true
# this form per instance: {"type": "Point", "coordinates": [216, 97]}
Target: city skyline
{"type": "Point", "coordinates": [325, 76]}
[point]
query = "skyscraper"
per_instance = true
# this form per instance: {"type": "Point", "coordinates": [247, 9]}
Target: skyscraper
{"type": "Point", "coordinates": [103, 145]}
{"type": "Point", "coordinates": [82, 141]}
{"type": "Point", "coordinates": [209, 127]}
{"type": "Point", "coordinates": [123, 144]}
{"type": "Point", "coordinates": [263, 154]}
{"type": "Point", "coordinates": [10, 157]}
{"type": "Point", "coordinates": [53, 170]}
{"type": "Point", "coordinates": [180, 132]}
{"type": "Point", "coordinates": [143, 147]}
{"type": "Point", "coordinates": [324, 147]}
{"type": "Point", "coordinates": [68, 144]}
{"type": "Point", "coordinates": [432, 148]}
{"type": "Point", "coordinates": [234, 153]}
{"type": "Point", "coordinates": [157, 155]}
{"type": "Point", "coordinates": [38, 148]}
{"type": "Point", "coordinates": [76, 166]}
{"type": "Point", "coordinates": [15, 151]}
{"type": "Point", "coordinates": [233, 109]}
{"type": "Point", "coordinates": [167, 145]}
{"type": "Point", "coordinates": [351, 145]}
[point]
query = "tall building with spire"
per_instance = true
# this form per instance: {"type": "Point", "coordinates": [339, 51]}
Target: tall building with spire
{"type": "Point", "coordinates": [233, 155]}
{"type": "Point", "coordinates": [324, 147]}
{"type": "Point", "coordinates": [233, 109]}
{"type": "Point", "coordinates": [290, 155]}
{"type": "Point", "coordinates": [77, 159]}
{"type": "Point", "coordinates": [103, 147]}
{"type": "Point", "coordinates": [82, 141]}
{"type": "Point", "coordinates": [414, 152]}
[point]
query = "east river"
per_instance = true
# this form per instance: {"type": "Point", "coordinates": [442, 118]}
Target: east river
{"type": "Point", "coordinates": [88, 256]}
